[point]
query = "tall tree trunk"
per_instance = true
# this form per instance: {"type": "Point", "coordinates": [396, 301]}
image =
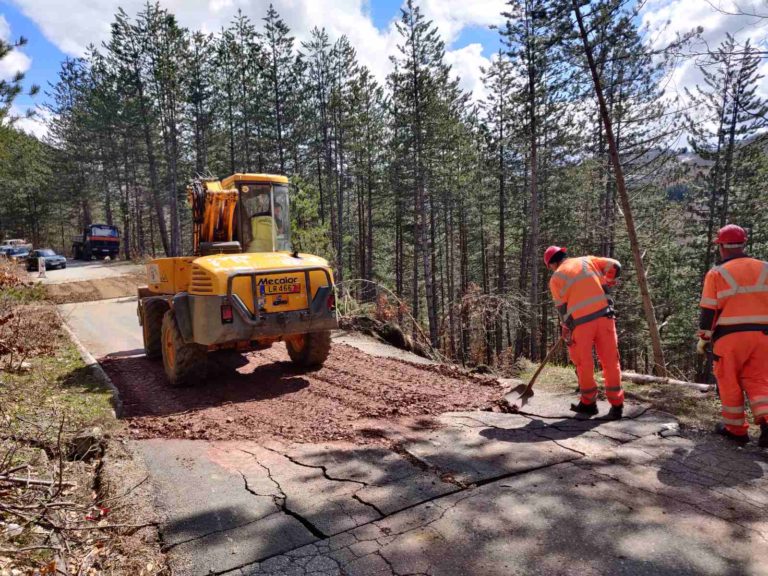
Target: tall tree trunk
{"type": "Point", "coordinates": [729, 151]}
{"type": "Point", "coordinates": [501, 279]}
{"type": "Point", "coordinates": [658, 354]}
{"type": "Point", "coordinates": [534, 207]}
{"type": "Point", "coordinates": [154, 180]}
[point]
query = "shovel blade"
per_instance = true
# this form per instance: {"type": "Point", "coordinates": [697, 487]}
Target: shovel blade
{"type": "Point", "coordinates": [523, 391]}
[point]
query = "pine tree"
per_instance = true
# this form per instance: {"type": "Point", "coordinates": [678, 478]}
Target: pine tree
{"type": "Point", "coordinates": [727, 111]}
{"type": "Point", "coordinates": [278, 74]}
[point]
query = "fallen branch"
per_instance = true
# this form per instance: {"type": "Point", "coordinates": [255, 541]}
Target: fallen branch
{"type": "Point", "coordinates": [636, 378]}
{"type": "Point", "coordinates": [34, 481]}
{"type": "Point", "coordinates": [27, 549]}
{"type": "Point", "coordinates": [12, 470]}
{"type": "Point", "coordinates": [108, 527]}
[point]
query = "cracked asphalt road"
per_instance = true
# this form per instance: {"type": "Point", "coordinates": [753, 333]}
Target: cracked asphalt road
{"type": "Point", "coordinates": [469, 492]}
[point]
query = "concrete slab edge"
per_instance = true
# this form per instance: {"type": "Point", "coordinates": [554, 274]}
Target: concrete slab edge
{"type": "Point", "coordinates": [98, 372]}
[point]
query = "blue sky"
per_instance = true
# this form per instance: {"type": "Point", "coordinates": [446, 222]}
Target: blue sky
{"type": "Point", "coordinates": [56, 32]}
{"type": "Point", "coordinates": [46, 56]}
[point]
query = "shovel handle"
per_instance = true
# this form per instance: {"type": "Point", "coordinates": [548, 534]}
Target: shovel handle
{"type": "Point", "coordinates": [542, 365]}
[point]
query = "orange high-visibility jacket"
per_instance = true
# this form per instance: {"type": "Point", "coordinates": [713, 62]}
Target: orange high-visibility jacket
{"type": "Point", "coordinates": [577, 288]}
{"type": "Point", "coordinates": [737, 292]}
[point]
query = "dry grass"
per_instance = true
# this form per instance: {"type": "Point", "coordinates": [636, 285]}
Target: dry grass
{"type": "Point", "coordinates": [696, 411]}
{"type": "Point", "coordinates": [58, 513]}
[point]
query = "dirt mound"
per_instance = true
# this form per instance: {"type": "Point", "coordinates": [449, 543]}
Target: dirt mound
{"type": "Point", "coordinates": [262, 395]}
{"type": "Point", "coordinates": [98, 289]}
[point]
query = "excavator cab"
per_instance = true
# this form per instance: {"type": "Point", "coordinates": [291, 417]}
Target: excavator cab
{"type": "Point", "coordinates": [243, 288]}
{"type": "Point", "coordinates": [264, 217]}
{"type": "Point", "coordinates": [243, 213]}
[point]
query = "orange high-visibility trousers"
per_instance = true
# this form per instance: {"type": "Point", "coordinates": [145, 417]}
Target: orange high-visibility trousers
{"type": "Point", "coordinates": [599, 334]}
{"type": "Point", "coordinates": [741, 365]}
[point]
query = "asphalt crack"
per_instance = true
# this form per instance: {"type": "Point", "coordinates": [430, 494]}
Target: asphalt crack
{"type": "Point", "coordinates": [281, 501]}
{"type": "Point", "coordinates": [594, 470]}
{"type": "Point", "coordinates": [444, 475]}
{"type": "Point", "coordinates": [321, 467]}
{"type": "Point", "coordinates": [324, 469]}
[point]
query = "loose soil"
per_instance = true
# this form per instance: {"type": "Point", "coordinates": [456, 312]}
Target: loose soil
{"type": "Point", "coordinates": [261, 395]}
{"type": "Point", "coordinates": [98, 289]}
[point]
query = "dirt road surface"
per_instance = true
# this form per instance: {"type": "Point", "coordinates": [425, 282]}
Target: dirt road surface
{"type": "Point", "coordinates": [79, 271]}
{"type": "Point", "coordinates": [377, 466]}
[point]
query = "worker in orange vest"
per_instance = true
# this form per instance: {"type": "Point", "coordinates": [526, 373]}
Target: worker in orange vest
{"type": "Point", "coordinates": [734, 316]}
{"type": "Point", "coordinates": [580, 289]}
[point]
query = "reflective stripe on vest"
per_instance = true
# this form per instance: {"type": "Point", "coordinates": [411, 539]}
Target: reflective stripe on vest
{"type": "Point", "coordinates": [585, 303]}
{"type": "Point", "coordinates": [735, 289]}
{"type": "Point", "coordinates": [571, 280]}
{"type": "Point", "coordinates": [731, 320]}
{"type": "Point", "coordinates": [577, 288]}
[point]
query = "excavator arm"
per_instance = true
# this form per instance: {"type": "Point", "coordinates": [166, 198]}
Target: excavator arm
{"type": "Point", "coordinates": [213, 214]}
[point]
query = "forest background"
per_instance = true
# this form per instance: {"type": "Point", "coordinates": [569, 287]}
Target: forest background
{"type": "Point", "coordinates": [411, 187]}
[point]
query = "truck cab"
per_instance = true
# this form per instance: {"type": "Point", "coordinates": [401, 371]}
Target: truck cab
{"type": "Point", "coordinates": [99, 241]}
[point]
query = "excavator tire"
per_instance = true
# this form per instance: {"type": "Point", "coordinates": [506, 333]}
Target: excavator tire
{"type": "Point", "coordinates": [152, 328]}
{"type": "Point", "coordinates": [309, 350]}
{"type": "Point", "coordinates": [185, 364]}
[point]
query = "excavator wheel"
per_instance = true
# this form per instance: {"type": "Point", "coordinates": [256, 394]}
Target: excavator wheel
{"type": "Point", "coordinates": [185, 364]}
{"type": "Point", "coordinates": [309, 350]}
{"type": "Point", "coordinates": [152, 328]}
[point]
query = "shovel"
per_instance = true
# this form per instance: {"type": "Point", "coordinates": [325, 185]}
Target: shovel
{"type": "Point", "coordinates": [526, 390]}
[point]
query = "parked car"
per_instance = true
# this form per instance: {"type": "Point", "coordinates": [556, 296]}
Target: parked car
{"type": "Point", "coordinates": [17, 254]}
{"type": "Point", "coordinates": [4, 250]}
{"type": "Point", "coordinates": [52, 260]}
{"type": "Point", "coordinates": [17, 243]}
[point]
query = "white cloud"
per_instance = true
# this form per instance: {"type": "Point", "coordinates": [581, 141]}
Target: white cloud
{"type": "Point", "coordinates": [667, 18]}
{"type": "Point", "coordinates": [451, 16]}
{"type": "Point", "coordinates": [15, 61]}
{"type": "Point", "coordinates": [36, 125]}
{"type": "Point", "coordinates": [86, 22]}
{"type": "Point", "coordinates": [467, 63]}
{"type": "Point", "coordinates": [5, 29]}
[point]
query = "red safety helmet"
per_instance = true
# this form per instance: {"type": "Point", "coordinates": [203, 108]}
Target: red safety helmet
{"type": "Point", "coordinates": [551, 251]}
{"type": "Point", "coordinates": [731, 235]}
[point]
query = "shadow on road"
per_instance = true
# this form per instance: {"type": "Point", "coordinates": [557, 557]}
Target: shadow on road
{"type": "Point", "coordinates": [145, 390]}
{"type": "Point", "coordinates": [534, 431]}
{"type": "Point", "coordinates": [711, 464]}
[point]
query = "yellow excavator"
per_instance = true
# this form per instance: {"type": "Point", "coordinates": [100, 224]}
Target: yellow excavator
{"type": "Point", "coordinates": [244, 288]}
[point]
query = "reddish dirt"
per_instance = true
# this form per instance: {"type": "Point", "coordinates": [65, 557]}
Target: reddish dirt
{"type": "Point", "coordinates": [262, 395]}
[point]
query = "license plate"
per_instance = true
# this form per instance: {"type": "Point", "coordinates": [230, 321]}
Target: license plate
{"type": "Point", "coordinates": [280, 285]}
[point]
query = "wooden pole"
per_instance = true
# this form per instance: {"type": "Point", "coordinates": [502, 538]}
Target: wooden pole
{"type": "Point", "coordinates": [658, 354]}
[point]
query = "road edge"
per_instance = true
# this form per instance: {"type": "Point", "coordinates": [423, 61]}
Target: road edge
{"type": "Point", "coordinates": [96, 369]}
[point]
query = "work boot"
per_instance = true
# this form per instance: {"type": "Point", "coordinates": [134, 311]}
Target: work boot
{"type": "Point", "coordinates": [763, 442]}
{"type": "Point", "coordinates": [615, 413]}
{"type": "Point", "coordinates": [585, 409]}
{"type": "Point", "coordinates": [738, 438]}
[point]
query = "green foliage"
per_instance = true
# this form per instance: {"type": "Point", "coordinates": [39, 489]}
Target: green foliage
{"type": "Point", "coordinates": [412, 184]}
{"type": "Point", "coordinates": [309, 234]}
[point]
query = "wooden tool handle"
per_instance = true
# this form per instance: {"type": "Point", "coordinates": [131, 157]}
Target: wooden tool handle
{"type": "Point", "coordinates": [543, 364]}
